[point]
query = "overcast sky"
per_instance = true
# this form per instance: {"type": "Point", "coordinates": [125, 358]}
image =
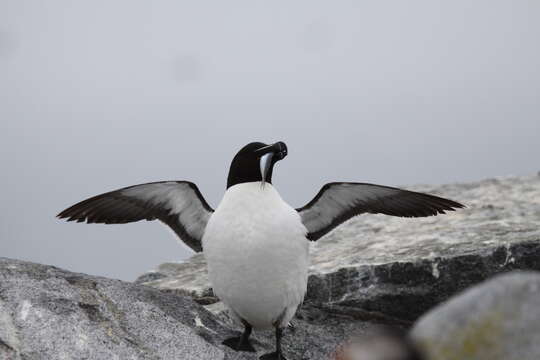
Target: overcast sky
{"type": "Point", "coordinates": [97, 95]}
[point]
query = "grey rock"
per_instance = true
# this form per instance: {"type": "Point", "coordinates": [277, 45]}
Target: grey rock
{"type": "Point", "coordinates": [497, 320]}
{"type": "Point", "coordinates": [50, 313]}
{"type": "Point", "coordinates": [403, 267]}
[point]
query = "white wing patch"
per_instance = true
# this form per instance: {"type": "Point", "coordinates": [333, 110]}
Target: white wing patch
{"type": "Point", "coordinates": [179, 199]}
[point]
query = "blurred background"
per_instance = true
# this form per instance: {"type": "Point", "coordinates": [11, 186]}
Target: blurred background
{"type": "Point", "coordinates": [98, 95]}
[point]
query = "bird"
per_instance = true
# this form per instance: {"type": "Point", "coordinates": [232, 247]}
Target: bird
{"type": "Point", "coordinates": [255, 244]}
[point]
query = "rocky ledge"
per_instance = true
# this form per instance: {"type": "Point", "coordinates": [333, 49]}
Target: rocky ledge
{"type": "Point", "coordinates": [373, 270]}
{"type": "Point", "coordinates": [398, 267]}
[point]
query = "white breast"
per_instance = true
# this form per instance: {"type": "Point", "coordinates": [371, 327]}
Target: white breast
{"type": "Point", "coordinates": [257, 254]}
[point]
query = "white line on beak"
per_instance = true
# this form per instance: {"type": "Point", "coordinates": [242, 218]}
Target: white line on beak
{"type": "Point", "coordinates": [265, 164]}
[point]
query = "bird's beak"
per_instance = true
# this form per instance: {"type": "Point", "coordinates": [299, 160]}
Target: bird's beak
{"type": "Point", "coordinates": [269, 153]}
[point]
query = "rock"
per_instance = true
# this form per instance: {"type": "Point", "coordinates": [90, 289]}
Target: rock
{"type": "Point", "coordinates": [376, 264]}
{"type": "Point", "coordinates": [497, 320]}
{"type": "Point", "coordinates": [50, 313]}
{"type": "Point", "coordinates": [188, 278]}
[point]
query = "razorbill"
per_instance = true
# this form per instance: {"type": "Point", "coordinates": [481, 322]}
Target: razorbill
{"type": "Point", "coordinates": [255, 244]}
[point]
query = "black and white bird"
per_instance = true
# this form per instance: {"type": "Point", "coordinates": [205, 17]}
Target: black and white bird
{"type": "Point", "coordinates": [255, 244]}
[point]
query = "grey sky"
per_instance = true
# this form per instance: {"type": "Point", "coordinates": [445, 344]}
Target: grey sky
{"type": "Point", "coordinates": [97, 95]}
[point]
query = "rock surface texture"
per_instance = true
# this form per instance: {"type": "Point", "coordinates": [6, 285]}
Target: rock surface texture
{"type": "Point", "coordinates": [49, 313]}
{"type": "Point", "coordinates": [372, 270]}
{"type": "Point", "coordinates": [497, 320]}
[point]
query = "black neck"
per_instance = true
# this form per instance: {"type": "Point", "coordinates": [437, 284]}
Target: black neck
{"type": "Point", "coordinates": [242, 171]}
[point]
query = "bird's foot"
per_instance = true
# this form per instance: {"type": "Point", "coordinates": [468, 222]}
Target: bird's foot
{"type": "Point", "coordinates": [273, 356]}
{"type": "Point", "coordinates": [238, 344]}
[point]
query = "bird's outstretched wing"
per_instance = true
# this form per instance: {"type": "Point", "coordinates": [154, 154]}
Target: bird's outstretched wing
{"type": "Point", "coordinates": [340, 201]}
{"type": "Point", "coordinates": [179, 204]}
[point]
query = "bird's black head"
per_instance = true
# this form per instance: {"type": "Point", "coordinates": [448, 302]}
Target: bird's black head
{"type": "Point", "coordinates": [255, 162]}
